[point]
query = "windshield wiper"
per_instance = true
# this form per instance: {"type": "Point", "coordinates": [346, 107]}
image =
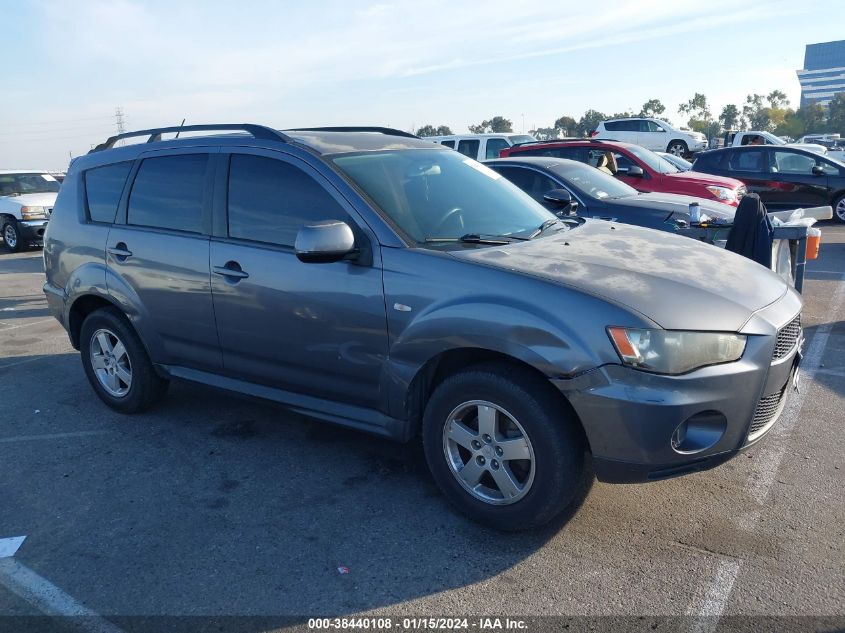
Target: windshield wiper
{"type": "Point", "coordinates": [545, 225]}
{"type": "Point", "coordinates": [475, 238]}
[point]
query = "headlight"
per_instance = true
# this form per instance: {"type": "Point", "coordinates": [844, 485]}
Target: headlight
{"type": "Point", "coordinates": [33, 213]}
{"type": "Point", "coordinates": [675, 352]}
{"type": "Point", "coordinates": [722, 193]}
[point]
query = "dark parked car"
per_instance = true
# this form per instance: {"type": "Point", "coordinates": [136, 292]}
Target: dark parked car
{"type": "Point", "coordinates": [784, 177]}
{"type": "Point", "coordinates": [553, 182]}
{"type": "Point", "coordinates": [372, 279]}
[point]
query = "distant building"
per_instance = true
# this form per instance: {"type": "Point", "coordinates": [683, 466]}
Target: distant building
{"type": "Point", "coordinates": [823, 74]}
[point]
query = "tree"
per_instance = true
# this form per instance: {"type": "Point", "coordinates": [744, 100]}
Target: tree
{"type": "Point", "coordinates": [777, 100]}
{"type": "Point", "coordinates": [430, 130]}
{"type": "Point", "coordinates": [696, 108]}
{"type": "Point", "coordinates": [729, 117]}
{"type": "Point", "coordinates": [754, 114]}
{"type": "Point", "coordinates": [813, 117]}
{"type": "Point", "coordinates": [791, 126]}
{"type": "Point", "coordinates": [589, 122]}
{"type": "Point", "coordinates": [566, 126]}
{"type": "Point", "coordinates": [652, 108]}
{"type": "Point", "coordinates": [836, 113]}
{"type": "Point", "coordinates": [544, 133]}
{"type": "Point", "coordinates": [496, 124]}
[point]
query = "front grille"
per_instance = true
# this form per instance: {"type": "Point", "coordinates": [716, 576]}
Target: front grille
{"type": "Point", "coordinates": [766, 413]}
{"type": "Point", "coordinates": [787, 338]}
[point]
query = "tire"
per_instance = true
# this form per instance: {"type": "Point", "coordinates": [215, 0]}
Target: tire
{"type": "Point", "coordinates": [522, 409]}
{"type": "Point", "coordinates": [12, 238]}
{"type": "Point", "coordinates": [839, 209]}
{"type": "Point", "coordinates": [677, 148]}
{"type": "Point", "coordinates": [122, 376]}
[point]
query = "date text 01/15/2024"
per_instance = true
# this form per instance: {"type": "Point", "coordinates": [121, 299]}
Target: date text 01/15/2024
{"type": "Point", "coordinates": [416, 624]}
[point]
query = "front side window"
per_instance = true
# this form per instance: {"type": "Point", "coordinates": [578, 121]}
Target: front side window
{"type": "Point", "coordinates": [469, 147]}
{"type": "Point", "coordinates": [103, 188]}
{"type": "Point", "coordinates": [531, 182]}
{"type": "Point", "coordinates": [168, 193]}
{"type": "Point", "coordinates": [440, 195]}
{"type": "Point", "coordinates": [654, 127]}
{"type": "Point", "coordinates": [494, 146]}
{"type": "Point", "coordinates": [270, 200]}
{"type": "Point", "coordinates": [792, 163]}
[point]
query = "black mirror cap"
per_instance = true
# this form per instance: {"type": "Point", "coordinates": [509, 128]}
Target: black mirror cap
{"type": "Point", "coordinates": [558, 196]}
{"type": "Point", "coordinates": [818, 170]}
{"type": "Point", "coordinates": [324, 242]}
{"type": "Point", "coordinates": [636, 171]}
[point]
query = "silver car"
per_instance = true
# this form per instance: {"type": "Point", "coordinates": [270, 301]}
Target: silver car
{"type": "Point", "coordinates": [369, 279]}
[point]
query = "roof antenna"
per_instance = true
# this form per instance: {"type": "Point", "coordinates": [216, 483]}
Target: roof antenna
{"type": "Point", "coordinates": [180, 125]}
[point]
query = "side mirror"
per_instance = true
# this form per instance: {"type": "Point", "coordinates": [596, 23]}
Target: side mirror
{"type": "Point", "coordinates": [636, 171]}
{"type": "Point", "coordinates": [818, 170]}
{"type": "Point", "coordinates": [325, 242]}
{"type": "Point", "coordinates": [561, 198]}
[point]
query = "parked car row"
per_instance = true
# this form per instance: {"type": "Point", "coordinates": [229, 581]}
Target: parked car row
{"type": "Point", "coordinates": [26, 202]}
{"type": "Point", "coordinates": [376, 280]}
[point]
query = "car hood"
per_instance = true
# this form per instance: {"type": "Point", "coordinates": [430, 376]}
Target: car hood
{"type": "Point", "coordinates": [677, 282]}
{"type": "Point", "coordinates": [32, 199]}
{"type": "Point", "coordinates": [810, 147]}
{"type": "Point", "coordinates": [675, 203]}
{"type": "Point", "coordinates": [697, 178]}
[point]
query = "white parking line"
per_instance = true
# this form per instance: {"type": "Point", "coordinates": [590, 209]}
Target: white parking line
{"type": "Point", "coordinates": [17, 327]}
{"type": "Point", "coordinates": [767, 466]}
{"type": "Point", "coordinates": [44, 595]}
{"type": "Point", "coordinates": [50, 436]}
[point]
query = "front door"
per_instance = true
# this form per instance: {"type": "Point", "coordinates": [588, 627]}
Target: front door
{"type": "Point", "coordinates": [794, 183]}
{"type": "Point", "coordinates": [315, 329]}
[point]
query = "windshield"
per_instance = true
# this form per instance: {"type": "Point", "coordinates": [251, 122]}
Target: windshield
{"type": "Point", "coordinates": [654, 161]}
{"type": "Point", "coordinates": [18, 184]}
{"type": "Point", "coordinates": [521, 138]}
{"type": "Point", "coordinates": [592, 182]}
{"type": "Point", "coordinates": [438, 194]}
{"type": "Point", "coordinates": [774, 140]}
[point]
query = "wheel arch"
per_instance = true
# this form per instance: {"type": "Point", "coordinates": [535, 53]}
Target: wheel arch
{"type": "Point", "coordinates": [79, 310]}
{"type": "Point", "coordinates": [451, 361]}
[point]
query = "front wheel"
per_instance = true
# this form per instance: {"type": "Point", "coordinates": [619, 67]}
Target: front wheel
{"type": "Point", "coordinates": [12, 238]}
{"type": "Point", "coordinates": [503, 448]}
{"type": "Point", "coordinates": [677, 148]}
{"type": "Point", "coordinates": [839, 209]}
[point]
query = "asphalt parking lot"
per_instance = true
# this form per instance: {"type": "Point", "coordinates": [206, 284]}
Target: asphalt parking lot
{"type": "Point", "coordinates": [213, 505]}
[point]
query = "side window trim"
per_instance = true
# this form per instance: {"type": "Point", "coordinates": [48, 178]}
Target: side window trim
{"type": "Point", "coordinates": [221, 200]}
{"type": "Point", "coordinates": [208, 188]}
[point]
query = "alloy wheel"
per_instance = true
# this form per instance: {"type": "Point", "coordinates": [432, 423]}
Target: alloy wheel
{"type": "Point", "coordinates": [10, 236]}
{"type": "Point", "coordinates": [111, 363]}
{"type": "Point", "coordinates": [840, 209]}
{"type": "Point", "coordinates": [488, 452]}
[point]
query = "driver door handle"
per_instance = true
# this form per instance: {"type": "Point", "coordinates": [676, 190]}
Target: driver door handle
{"type": "Point", "coordinates": [231, 270]}
{"type": "Point", "coordinates": [119, 251]}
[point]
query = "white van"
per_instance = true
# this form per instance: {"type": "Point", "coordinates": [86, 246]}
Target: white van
{"type": "Point", "coordinates": [481, 146]}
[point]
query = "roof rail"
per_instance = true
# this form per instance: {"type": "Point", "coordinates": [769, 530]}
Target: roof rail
{"type": "Point", "coordinates": [381, 130]}
{"type": "Point", "coordinates": [257, 131]}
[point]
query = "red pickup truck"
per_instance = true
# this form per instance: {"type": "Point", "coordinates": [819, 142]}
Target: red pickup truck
{"type": "Point", "coordinates": [641, 168]}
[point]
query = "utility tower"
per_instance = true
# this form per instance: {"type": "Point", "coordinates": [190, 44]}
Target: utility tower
{"type": "Point", "coordinates": [120, 121]}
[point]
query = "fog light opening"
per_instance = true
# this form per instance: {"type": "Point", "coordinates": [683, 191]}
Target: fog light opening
{"type": "Point", "coordinates": [699, 432]}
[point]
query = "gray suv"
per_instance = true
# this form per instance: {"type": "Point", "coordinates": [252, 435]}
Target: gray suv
{"type": "Point", "coordinates": [367, 278]}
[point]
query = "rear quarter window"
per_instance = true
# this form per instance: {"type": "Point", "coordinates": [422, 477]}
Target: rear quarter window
{"type": "Point", "coordinates": [103, 188]}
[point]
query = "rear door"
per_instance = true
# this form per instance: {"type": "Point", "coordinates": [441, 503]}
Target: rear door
{"type": "Point", "coordinates": [494, 145]}
{"type": "Point", "coordinates": [314, 329]}
{"type": "Point", "coordinates": [157, 255]}
{"type": "Point", "coordinates": [750, 165]}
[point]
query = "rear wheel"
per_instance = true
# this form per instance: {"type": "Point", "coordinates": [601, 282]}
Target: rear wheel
{"type": "Point", "coordinates": [839, 208]}
{"type": "Point", "coordinates": [502, 448]}
{"type": "Point", "coordinates": [677, 148]}
{"type": "Point", "coordinates": [116, 363]}
{"type": "Point", "coordinates": [12, 238]}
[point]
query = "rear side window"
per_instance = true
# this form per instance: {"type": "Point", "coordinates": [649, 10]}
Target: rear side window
{"type": "Point", "coordinates": [747, 160]}
{"type": "Point", "coordinates": [270, 200]}
{"type": "Point", "coordinates": [494, 146]}
{"type": "Point", "coordinates": [469, 147]}
{"type": "Point", "coordinates": [103, 188]}
{"type": "Point", "coordinates": [168, 193]}
{"type": "Point", "coordinates": [448, 144]}
{"type": "Point", "coordinates": [613, 126]}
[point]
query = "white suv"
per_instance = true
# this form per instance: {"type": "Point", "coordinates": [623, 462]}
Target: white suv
{"type": "Point", "coordinates": [653, 134]}
{"type": "Point", "coordinates": [481, 146]}
{"type": "Point", "coordinates": [26, 202]}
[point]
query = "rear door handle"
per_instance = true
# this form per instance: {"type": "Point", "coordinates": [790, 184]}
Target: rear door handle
{"type": "Point", "coordinates": [231, 270]}
{"type": "Point", "coordinates": [119, 251]}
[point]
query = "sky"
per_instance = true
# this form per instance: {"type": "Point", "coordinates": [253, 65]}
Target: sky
{"type": "Point", "coordinates": [68, 64]}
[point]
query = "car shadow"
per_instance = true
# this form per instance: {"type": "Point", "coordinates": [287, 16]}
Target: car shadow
{"type": "Point", "coordinates": [829, 374]}
{"type": "Point", "coordinates": [213, 494]}
{"type": "Point", "coordinates": [22, 307]}
{"type": "Point", "coordinates": [26, 262]}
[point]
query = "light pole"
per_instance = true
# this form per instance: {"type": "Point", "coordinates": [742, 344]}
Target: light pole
{"type": "Point", "coordinates": [523, 124]}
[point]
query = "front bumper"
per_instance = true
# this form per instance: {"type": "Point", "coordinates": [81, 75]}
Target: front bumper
{"type": "Point", "coordinates": [631, 417]}
{"type": "Point", "coordinates": [32, 230]}
{"type": "Point", "coordinates": [698, 146]}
